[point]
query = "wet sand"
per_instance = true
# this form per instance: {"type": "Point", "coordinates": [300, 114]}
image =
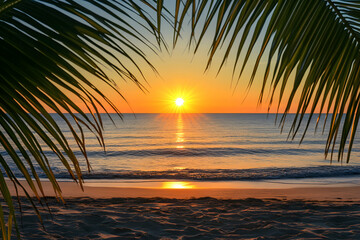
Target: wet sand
{"type": "Point", "coordinates": [144, 213]}
{"type": "Point", "coordinates": [101, 190]}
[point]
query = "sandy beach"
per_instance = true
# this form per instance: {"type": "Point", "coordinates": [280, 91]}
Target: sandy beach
{"type": "Point", "coordinates": [116, 190]}
{"type": "Point", "coordinates": [145, 213]}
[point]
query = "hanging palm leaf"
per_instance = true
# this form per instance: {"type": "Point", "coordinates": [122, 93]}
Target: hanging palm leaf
{"type": "Point", "coordinates": [316, 41]}
{"type": "Point", "coordinates": [49, 48]}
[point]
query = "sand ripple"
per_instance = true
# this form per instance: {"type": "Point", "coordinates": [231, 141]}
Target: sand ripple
{"type": "Point", "coordinates": [203, 218]}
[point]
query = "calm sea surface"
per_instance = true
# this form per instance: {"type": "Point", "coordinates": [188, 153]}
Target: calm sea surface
{"type": "Point", "coordinates": [205, 147]}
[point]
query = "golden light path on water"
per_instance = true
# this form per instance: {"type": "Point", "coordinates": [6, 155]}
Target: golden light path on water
{"type": "Point", "coordinates": [180, 139]}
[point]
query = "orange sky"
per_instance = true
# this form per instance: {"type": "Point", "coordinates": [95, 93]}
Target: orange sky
{"type": "Point", "coordinates": [181, 74]}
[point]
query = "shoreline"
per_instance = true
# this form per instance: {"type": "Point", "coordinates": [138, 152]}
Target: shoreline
{"type": "Point", "coordinates": [101, 190]}
{"type": "Point", "coordinates": [109, 212]}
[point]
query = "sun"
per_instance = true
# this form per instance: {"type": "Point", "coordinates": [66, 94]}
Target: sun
{"type": "Point", "coordinates": [179, 102]}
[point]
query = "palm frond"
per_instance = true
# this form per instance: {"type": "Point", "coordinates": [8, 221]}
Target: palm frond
{"type": "Point", "coordinates": [49, 48]}
{"type": "Point", "coordinates": [315, 41]}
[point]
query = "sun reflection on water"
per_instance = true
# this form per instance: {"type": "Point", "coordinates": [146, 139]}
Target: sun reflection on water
{"type": "Point", "coordinates": [180, 132]}
{"type": "Point", "coordinates": [177, 185]}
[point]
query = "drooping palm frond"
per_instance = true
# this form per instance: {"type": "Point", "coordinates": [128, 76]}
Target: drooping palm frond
{"type": "Point", "coordinates": [317, 41]}
{"type": "Point", "coordinates": [48, 50]}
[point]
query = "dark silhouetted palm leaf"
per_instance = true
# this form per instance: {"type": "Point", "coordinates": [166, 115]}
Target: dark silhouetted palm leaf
{"type": "Point", "coordinates": [48, 50]}
{"type": "Point", "coordinates": [318, 41]}
{"type": "Point", "coordinates": [48, 47]}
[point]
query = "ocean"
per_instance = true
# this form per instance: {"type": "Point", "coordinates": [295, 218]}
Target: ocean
{"type": "Point", "coordinates": [204, 147]}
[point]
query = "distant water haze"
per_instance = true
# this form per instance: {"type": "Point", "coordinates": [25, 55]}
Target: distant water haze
{"type": "Point", "coordinates": [205, 147]}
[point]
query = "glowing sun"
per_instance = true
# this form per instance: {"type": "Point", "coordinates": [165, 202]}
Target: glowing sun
{"type": "Point", "coordinates": [179, 102]}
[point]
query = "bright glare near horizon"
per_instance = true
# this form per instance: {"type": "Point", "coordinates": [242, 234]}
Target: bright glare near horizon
{"type": "Point", "coordinates": [179, 102]}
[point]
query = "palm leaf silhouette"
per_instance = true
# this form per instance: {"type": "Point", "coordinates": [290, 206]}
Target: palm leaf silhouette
{"type": "Point", "coordinates": [49, 48]}
{"type": "Point", "coordinates": [316, 41]}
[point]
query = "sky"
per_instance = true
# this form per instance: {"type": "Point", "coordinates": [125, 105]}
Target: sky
{"type": "Point", "coordinates": [181, 74]}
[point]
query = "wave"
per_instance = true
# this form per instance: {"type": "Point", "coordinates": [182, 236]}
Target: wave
{"type": "Point", "coordinates": [186, 151]}
{"type": "Point", "coordinates": [230, 174]}
{"type": "Point", "coordinates": [190, 152]}
{"type": "Point", "coordinates": [213, 152]}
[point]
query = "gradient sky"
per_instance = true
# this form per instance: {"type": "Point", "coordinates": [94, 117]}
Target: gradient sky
{"type": "Point", "coordinates": [182, 74]}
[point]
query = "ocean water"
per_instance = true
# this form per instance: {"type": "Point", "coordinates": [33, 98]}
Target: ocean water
{"type": "Point", "coordinates": [216, 147]}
